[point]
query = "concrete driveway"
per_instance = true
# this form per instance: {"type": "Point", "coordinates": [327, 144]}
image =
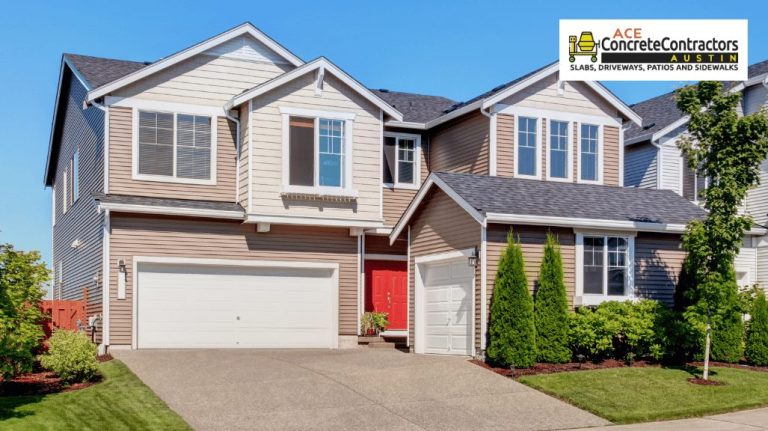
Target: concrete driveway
{"type": "Point", "coordinates": [344, 390]}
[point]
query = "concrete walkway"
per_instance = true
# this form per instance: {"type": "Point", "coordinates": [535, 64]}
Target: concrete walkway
{"type": "Point", "coordinates": [748, 420]}
{"type": "Point", "coordinates": [344, 390]}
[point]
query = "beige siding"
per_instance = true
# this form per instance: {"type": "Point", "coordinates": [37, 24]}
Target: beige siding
{"type": "Point", "coordinates": [462, 145]}
{"type": "Point", "coordinates": [145, 236]}
{"type": "Point", "coordinates": [121, 164]}
{"type": "Point", "coordinates": [380, 245]}
{"type": "Point", "coordinates": [577, 98]}
{"type": "Point", "coordinates": [611, 154]}
{"type": "Point", "coordinates": [204, 80]}
{"type": "Point", "coordinates": [268, 145]}
{"type": "Point", "coordinates": [505, 145]}
{"type": "Point", "coordinates": [439, 226]}
{"type": "Point", "coordinates": [658, 262]}
{"type": "Point", "coordinates": [395, 203]}
{"type": "Point", "coordinates": [242, 185]}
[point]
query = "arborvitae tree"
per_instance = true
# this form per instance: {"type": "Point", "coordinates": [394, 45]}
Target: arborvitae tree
{"type": "Point", "coordinates": [511, 331]}
{"type": "Point", "coordinates": [757, 337]}
{"type": "Point", "coordinates": [728, 327]}
{"type": "Point", "coordinates": [551, 307]}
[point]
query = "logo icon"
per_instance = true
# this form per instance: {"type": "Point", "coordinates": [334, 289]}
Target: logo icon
{"type": "Point", "coordinates": [586, 46]}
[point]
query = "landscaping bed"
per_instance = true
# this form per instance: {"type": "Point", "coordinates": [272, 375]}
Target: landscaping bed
{"type": "Point", "coordinates": [541, 368]}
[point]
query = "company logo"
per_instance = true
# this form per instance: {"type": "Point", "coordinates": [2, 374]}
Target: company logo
{"type": "Point", "coordinates": [687, 50]}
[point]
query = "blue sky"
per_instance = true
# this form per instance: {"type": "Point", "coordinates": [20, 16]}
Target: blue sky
{"type": "Point", "coordinates": [454, 49]}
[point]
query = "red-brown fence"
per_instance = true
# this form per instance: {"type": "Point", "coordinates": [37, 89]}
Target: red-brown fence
{"type": "Point", "coordinates": [64, 314]}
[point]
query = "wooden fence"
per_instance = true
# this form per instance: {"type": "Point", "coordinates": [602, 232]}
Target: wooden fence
{"type": "Point", "coordinates": [65, 314]}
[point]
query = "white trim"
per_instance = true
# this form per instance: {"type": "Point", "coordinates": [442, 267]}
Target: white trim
{"type": "Point", "coordinates": [381, 163]}
{"type": "Point", "coordinates": [407, 125]}
{"type": "Point", "coordinates": [581, 298]}
{"type": "Point", "coordinates": [622, 129]}
{"type": "Point", "coordinates": [408, 291]}
{"type": "Point", "coordinates": [156, 105]}
{"type": "Point", "coordinates": [105, 279]}
{"type": "Point", "coordinates": [246, 28]}
{"type": "Point", "coordinates": [395, 333]}
{"type": "Point", "coordinates": [250, 155]}
{"type": "Point", "coordinates": [600, 153]}
{"type": "Point", "coordinates": [521, 85]}
{"type": "Point", "coordinates": [381, 231]}
{"type": "Point", "coordinates": [416, 160]}
{"type": "Point", "coordinates": [569, 150]}
{"type": "Point", "coordinates": [106, 149]}
{"type": "Point", "coordinates": [135, 175]}
{"type": "Point", "coordinates": [387, 257]}
{"type": "Point", "coordinates": [311, 221]}
{"type": "Point", "coordinates": [432, 179]}
{"type": "Point", "coordinates": [558, 115]}
{"type": "Point", "coordinates": [313, 65]}
{"type": "Point", "coordinates": [317, 113]}
{"type": "Point", "coordinates": [360, 278]}
{"type": "Point", "coordinates": [137, 260]}
{"type": "Point", "coordinates": [604, 224]}
{"type": "Point", "coordinates": [483, 287]}
{"type": "Point", "coordinates": [492, 150]}
{"type": "Point", "coordinates": [448, 255]}
{"type": "Point", "coordinates": [516, 146]}
{"type": "Point", "coordinates": [166, 210]}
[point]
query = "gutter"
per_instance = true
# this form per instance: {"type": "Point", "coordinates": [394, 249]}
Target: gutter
{"type": "Point", "coordinates": [237, 152]}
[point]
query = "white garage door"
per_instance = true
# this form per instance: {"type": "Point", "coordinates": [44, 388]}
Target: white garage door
{"type": "Point", "coordinates": [203, 306]}
{"type": "Point", "coordinates": [448, 307]}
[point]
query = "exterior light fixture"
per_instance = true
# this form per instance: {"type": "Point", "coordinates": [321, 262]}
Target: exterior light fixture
{"type": "Point", "coordinates": [472, 259]}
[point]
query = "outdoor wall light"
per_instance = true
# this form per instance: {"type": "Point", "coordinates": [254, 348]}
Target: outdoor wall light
{"type": "Point", "coordinates": [472, 259]}
{"type": "Point", "coordinates": [122, 274]}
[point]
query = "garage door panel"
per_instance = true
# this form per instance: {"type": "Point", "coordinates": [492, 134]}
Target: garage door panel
{"type": "Point", "coordinates": [447, 307]}
{"type": "Point", "coordinates": [215, 306]}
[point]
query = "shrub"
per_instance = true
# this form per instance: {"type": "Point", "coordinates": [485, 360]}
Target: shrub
{"type": "Point", "coordinates": [511, 331]}
{"type": "Point", "coordinates": [551, 307]}
{"type": "Point", "coordinates": [757, 336]}
{"type": "Point", "coordinates": [374, 322]}
{"type": "Point", "coordinates": [22, 276]}
{"type": "Point", "coordinates": [621, 330]}
{"type": "Point", "coordinates": [728, 329]}
{"type": "Point", "coordinates": [71, 355]}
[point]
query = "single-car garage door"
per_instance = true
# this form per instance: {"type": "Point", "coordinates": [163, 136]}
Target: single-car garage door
{"type": "Point", "coordinates": [210, 306]}
{"type": "Point", "coordinates": [448, 307]}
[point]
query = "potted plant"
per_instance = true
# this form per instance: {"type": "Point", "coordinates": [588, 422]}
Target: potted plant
{"type": "Point", "coordinates": [373, 323]}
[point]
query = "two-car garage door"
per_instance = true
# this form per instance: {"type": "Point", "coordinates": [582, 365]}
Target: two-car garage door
{"type": "Point", "coordinates": [213, 306]}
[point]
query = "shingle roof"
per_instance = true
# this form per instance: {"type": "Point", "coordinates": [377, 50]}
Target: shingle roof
{"type": "Point", "coordinates": [570, 200]}
{"type": "Point", "coordinates": [661, 111]}
{"type": "Point", "coordinates": [163, 202]}
{"type": "Point", "coordinates": [99, 71]}
{"type": "Point", "coordinates": [417, 108]}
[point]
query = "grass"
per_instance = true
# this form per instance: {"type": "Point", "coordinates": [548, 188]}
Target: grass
{"type": "Point", "coordinates": [120, 402]}
{"type": "Point", "coordinates": [628, 395]}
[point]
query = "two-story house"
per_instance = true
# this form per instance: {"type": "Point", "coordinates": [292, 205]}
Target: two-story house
{"type": "Point", "coordinates": [234, 195]}
{"type": "Point", "coordinates": [653, 160]}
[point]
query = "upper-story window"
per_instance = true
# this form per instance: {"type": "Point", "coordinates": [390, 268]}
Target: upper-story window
{"type": "Point", "coordinates": [558, 150]}
{"type": "Point", "coordinates": [589, 153]}
{"type": "Point", "coordinates": [527, 146]}
{"type": "Point", "coordinates": [317, 150]}
{"type": "Point", "coordinates": [175, 147]}
{"type": "Point", "coordinates": [606, 267]}
{"type": "Point", "coordinates": [401, 160]}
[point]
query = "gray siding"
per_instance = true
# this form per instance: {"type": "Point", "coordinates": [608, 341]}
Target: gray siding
{"type": "Point", "coordinates": [83, 129]}
{"type": "Point", "coordinates": [640, 166]}
{"type": "Point", "coordinates": [658, 262]}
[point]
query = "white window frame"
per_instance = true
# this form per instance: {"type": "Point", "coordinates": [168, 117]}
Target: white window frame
{"type": "Point", "coordinates": [75, 176]}
{"type": "Point", "coordinates": [569, 150]}
{"type": "Point", "coordinates": [537, 175]}
{"type": "Point", "coordinates": [168, 178]}
{"type": "Point", "coordinates": [316, 189]}
{"type": "Point", "coordinates": [600, 152]}
{"type": "Point", "coordinates": [629, 283]}
{"type": "Point", "coordinates": [64, 185]}
{"type": "Point", "coordinates": [416, 160]}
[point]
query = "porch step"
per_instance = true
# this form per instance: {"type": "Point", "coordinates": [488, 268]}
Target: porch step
{"type": "Point", "coordinates": [391, 343]}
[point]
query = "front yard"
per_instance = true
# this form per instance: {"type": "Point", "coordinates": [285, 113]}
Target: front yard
{"type": "Point", "coordinates": [120, 402]}
{"type": "Point", "coordinates": [627, 395]}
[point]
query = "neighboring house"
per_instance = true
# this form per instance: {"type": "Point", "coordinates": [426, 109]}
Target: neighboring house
{"type": "Point", "coordinates": [653, 160]}
{"type": "Point", "coordinates": [234, 195]}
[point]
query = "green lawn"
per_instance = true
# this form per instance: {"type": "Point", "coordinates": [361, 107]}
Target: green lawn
{"type": "Point", "coordinates": [626, 395]}
{"type": "Point", "coordinates": [120, 402]}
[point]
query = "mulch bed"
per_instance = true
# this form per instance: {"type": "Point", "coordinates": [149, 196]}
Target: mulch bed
{"type": "Point", "coordinates": [104, 358]}
{"type": "Point", "coordinates": [559, 368]}
{"type": "Point", "coordinates": [702, 382]}
{"type": "Point", "coordinates": [43, 383]}
{"type": "Point", "coordinates": [741, 366]}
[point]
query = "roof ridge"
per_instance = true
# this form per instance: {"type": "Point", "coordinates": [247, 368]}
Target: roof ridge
{"type": "Point", "coordinates": [107, 58]}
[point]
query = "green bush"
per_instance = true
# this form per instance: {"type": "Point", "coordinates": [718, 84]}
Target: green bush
{"type": "Point", "coordinates": [728, 328]}
{"type": "Point", "coordinates": [71, 355]}
{"type": "Point", "coordinates": [551, 307]}
{"type": "Point", "coordinates": [757, 336]}
{"type": "Point", "coordinates": [22, 276]}
{"type": "Point", "coordinates": [511, 331]}
{"type": "Point", "coordinates": [620, 330]}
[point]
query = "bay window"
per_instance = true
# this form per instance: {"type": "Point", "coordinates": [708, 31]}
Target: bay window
{"type": "Point", "coordinates": [558, 149]}
{"type": "Point", "coordinates": [604, 267]}
{"type": "Point", "coordinates": [400, 161]}
{"type": "Point", "coordinates": [527, 151]}
{"type": "Point", "coordinates": [589, 154]}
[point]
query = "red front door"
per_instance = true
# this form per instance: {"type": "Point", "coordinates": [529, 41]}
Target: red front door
{"type": "Point", "coordinates": [387, 291]}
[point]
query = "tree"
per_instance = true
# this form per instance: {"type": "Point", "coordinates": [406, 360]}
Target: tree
{"type": "Point", "coordinates": [757, 336]}
{"type": "Point", "coordinates": [511, 332]}
{"type": "Point", "coordinates": [22, 276]}
{"type": "Point", "coordinates": [727, 149]}
{"type": "Point", "coordinates": [551, 307]}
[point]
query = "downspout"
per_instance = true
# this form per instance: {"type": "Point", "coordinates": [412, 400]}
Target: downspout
{"type": "Point", "coordinates": [491, 139]}
{"type": "Point", "coordinates": [237, 152]}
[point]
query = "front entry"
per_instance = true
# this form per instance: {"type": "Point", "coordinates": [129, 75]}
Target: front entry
{"type": "Point", "coordinates": [387, 291]}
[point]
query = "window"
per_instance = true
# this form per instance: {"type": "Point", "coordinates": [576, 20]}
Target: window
{"type": "Point", "coordinates": [401, 160]}
{"type": "Point", "coordinates": [76, 175]}
{"type": "Point", "coordinates": [176, 146]}
{"type": "Point", "coordinates": [589, 152]}
{"type": "Point", "coordinates": [64, 187]}
{"type": "Point", "coordinates": [317, 152]}
{"type": "Point", "coordinates": [606, 266]}
{"type": "Point", "coordinates": [558, 149]}
{"type": "Point", "coordinates": [526, 146]}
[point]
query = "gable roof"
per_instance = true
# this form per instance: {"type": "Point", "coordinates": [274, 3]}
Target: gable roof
{"type": "Point", "coordinates": [547, 203]}
{"type": "Point", "coordinates": [416, 108]}
{"type": "Point", "coordinates": [323, 65]}
{"type": "Point", "coordinates": [242, 29]}
{"type": "Point", "coordinates": [660, 113]}
{"type": "Point", "coordinates": [96, 71]}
